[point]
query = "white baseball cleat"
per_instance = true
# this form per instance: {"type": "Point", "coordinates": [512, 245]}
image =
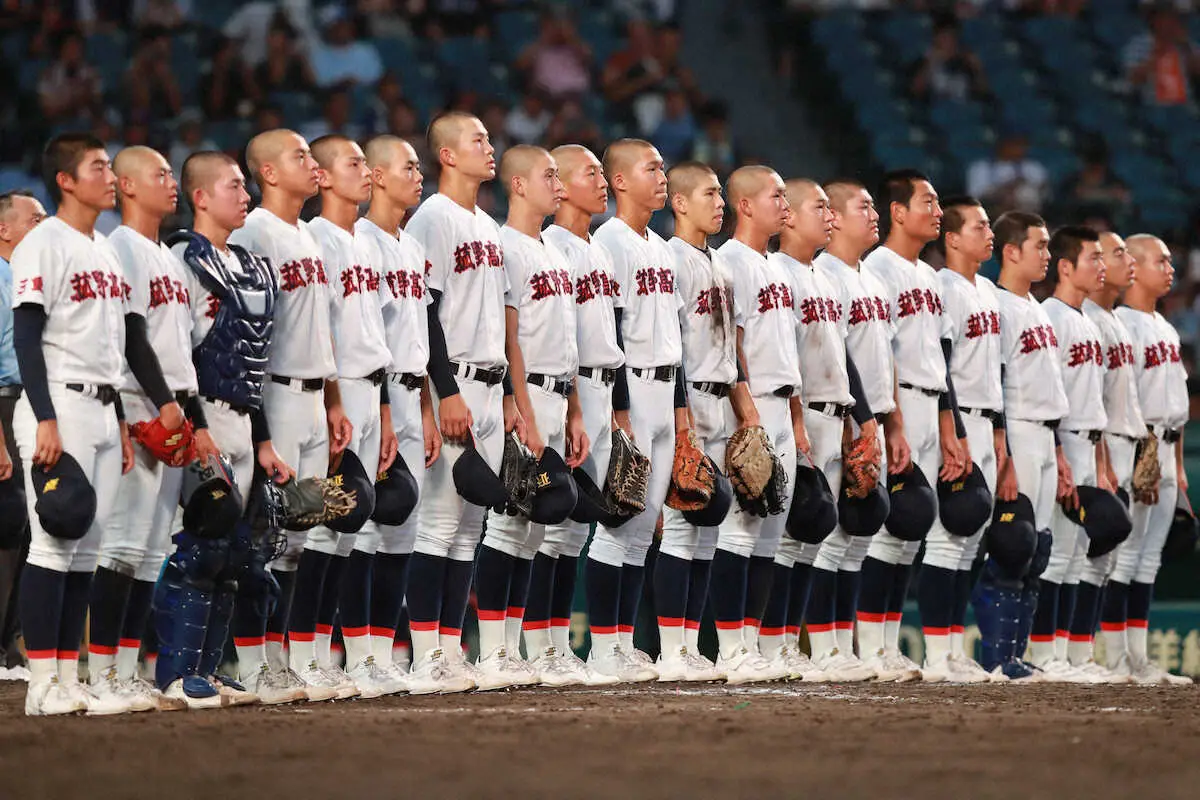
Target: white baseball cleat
{"type": "Point", "coordinates": [344, 684]}
{"type": "Point", "coordinates": [798, 666]}
{"type": "Point", "coordinates": [372, 681]}
{"type": "Point", "coordinates": [17, 673]}
{"type": "Point", "coordinates": [144, 688]}
{"type": "Point", "coordinates": [553, 669]}
{"type": "Point", "coordinates": [841, 667]}
{"type": "Point", "coordinates": [1148, 673]}
{"type": "Point", "coordinates": [746, 666]}
{"type": "Point", "coordinates": [890, 669]}
{"type": "Point", "coordinates": [1056, 670]}
{"type": "Point", "coordinates": [590, 676]}
{"type": "Point", "coordinates": [195, 691]}
{"type": "Point", "coordinates": [50, 698]}
{"type": "Point", "coordinates": [317, 685]}
{"type": "Point", "coordinates": [273, 687]}
{"type": "Point", "coordinates": [700, 669]}
{"type": "Point", "coordinates": [110, 692]}
{"type": "Point", "coordinates": [498, 671]}
{"type": "Point", "coordinates": [1092, 667]}
{"type": "Point", "coordinates": [433, 674]}
{"type": "Point", "coordinates": [234, 693]}
{"type": "Point", "coordinates": [620, 665]}
{"type": "Point", "coordinates": [672, 668]}
{"type": "Point", "coordinates": [525, 674]}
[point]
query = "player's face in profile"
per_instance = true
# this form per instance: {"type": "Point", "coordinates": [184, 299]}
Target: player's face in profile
{"type": "Point", "coordinates": [769, 205]}
{"type": "Point", "coordinates": [1117, 261]}
{"type": "Point", "coordinates": [858, 219]}
{"type": "Point", "coordinates": [1088, 272]}
{"type": "Point", "coordinates": [94, 184]}
{"type": "Point", "coordinates": [298, 171]}
{"type": "Point", "coordinates": [227, 200]}
{"type": "Point", "coordinates": [23, 216]}
{"type": "Point", "coordinates": [155, 186]}
{"type": "Point", "coordinates": [544, 191]}
{"type": "Point", "coordinates": [810, 216]}
{"type": "Point", "coordinates": [348, 175]}
{"type": "Point", "coordinates": [1154, 270]}
{"type": "Point", "coordinates": [646, 179]}
{"type": "Point", "coordinates": [975, 238]}
{"type": "Point", "coordinates": [475, 156]}
{"type": "Point", "coordinates": [1035, 253]}
{"type": "Point", "coordinates": [404, 178]}
{"type": "Point", "coordinates": [586, 187]}
{"type": "Point", "coordinates": [924, 217]}
{"type": "Point", "coordinates": [706, 206]}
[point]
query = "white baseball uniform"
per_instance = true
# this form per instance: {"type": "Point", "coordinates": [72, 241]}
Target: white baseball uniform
{"type": "Point", "coordinates": [542, 290]}
{"type": "Point", "coordinates": [599, 356]}
{"type": "Point", "coordinates": [79, 284]}
{"type": "Point", "coordinates": [710, 367]}
{"type": "Point", "coordinates": [972, 313]}
{"type": "Point", "coordinates": [764, 308]}
{"type": "Point", "coordinates": [646, 292]}
{"type": "Point", "coordinates": [137, 535]}
{"type": "Point", "coordinates": [401, 260]}
{"type": "Point", "coordinates": [1162, 392]}
{"type": "Point", "coordinates": [915, 305]}
{"type": "Point", "coordinates": [301, 353]}
{"type": "Point", "coordinates": [363, 361]}
{"type": "Point", "coordinates": [466, 264]}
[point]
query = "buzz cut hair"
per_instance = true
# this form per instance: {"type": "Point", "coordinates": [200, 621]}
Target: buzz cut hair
{"type": "Point", "coordinates": [64, 153]}
{"type": "Point", "coordinates": [1067, 243]}
{"type": "Point", "coordinates": [952, 212]}
{"type": "Point", "coordinates": [899, 186]}
{"type": "Point", "coordinates": [444, 129]}
{"type": "Point", "coordinates": [684, 176]}
{"type": "Point", "coordinates": [1012, 227]}
{"type": "Point", "coordinates": [195, 170]}
{"type": "Point", "coordinates": [839, 191]}
{"type": "Point", "coordinates": [7, 199]}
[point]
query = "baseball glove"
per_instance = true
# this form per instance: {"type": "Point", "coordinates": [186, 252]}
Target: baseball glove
{"type": "Point", "coordinates": [628, 475]}
{"type": "Point", "coordinates": [173, 448]}
{"type": "Point", "coordinates": [692, 477]}
{"type": "Point", "coordinates": [310, 502]}
{"type": "Point", "coordinates": [750, 464]}
{"type": "Point", "coordinates": [1146, 470]}
{"type": "Point", "coordinates": [776, 494]}
{"type": "Point", "coordinates": [517, 468]}
{"type": "Point", "coordinates": [860, 466]}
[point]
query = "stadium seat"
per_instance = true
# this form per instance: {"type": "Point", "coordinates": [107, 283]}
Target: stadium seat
{"type": "Point", "coordinates": [513, 31]}
{"type": "Point", "coordinates": [398, 54]}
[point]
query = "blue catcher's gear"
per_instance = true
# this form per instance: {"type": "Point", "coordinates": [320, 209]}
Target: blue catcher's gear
{"type": "Point", "coordinates": [998, 611]}
{"type": "Point", "coordinates": [231, 361]}
{"type": "Point", "coordinates": [182, 607]}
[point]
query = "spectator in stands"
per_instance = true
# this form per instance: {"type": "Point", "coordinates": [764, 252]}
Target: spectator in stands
{"type": "Point", "coordinates": [386, 19]}
{"type": "Point", "coordinates": [558, 62]}
{"type": "Point", "coordinates": [340, 59]}
{"type": "Point", "coordinates": [227, 87]}
{"type": "Point", "coordinates": [388, 93]}
{"type": "Point", "coordinates": [189, 138]}
{"type": "Point", "coordinates": [572, 126]}
{"type": "Point", "coordinates": [335, 117]}
{"type": "Point", "coordinates": [445, 19]}
{"type": "Point", "coordinates": [634, 78]}
{"type": "Point", "coordinates": [493, 114]}
{"type": "Point", "coordinates": [676, 134]}
{"type": "Point", "coordinates": [1163, 62]}
{"type": "Point", "coordinates": [668, 48]}
{"type": "Point", "coordinates": [1010, 180]}
{"type": "Point", "coordinates": [267, 118]}
{"type": "Point", "coordinates": [286, 67]}
{"type": "Point", "coordinates": [50, 24]}
{"type": "Point", "coordinates": [527, 122]}
{"type": "Point", "coordinates": [150, 83]}
{"type": "Point", "coordinates": [250, 25]}
{"type": "Point", "coordinates": [948, 71]}
{"type": "Point", "coordinates": [1095, 191]}
{"type": "Point", "coordinates": [70, 86]}
{"type": "Point", "coordinates": [162, 14]}
{"type": "Point", "coordinates": [714, 142]}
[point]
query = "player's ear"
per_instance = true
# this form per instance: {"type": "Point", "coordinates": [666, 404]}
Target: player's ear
{"type": "Point", "coordinates": [898, 211]}
{"type": "Point", "coordinates": [377, 177]}
{"type": "Point", "coordinates": [447, 157]}
{"type": "Point", "coordinates": [65, 181]}
{"type": "Point", "coordinates": [679, 204]}
{"type": "Point", "coordinates": [323, 179]}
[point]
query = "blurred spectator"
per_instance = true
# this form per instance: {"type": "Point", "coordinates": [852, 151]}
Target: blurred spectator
{"type": "Point", "coordinates": [286, 67]}
{"type": "Point", "coordinates": [70, 86]}
{"type": "Point", "coordinates": [227, 87]}
{"type": "Point", "coordinates": [387, 93]}
{"type": "Point", "coordinates": [1010, 179]}
{"type": "Point", "coordinates": [527, 122]}
{"type": "Point", "coordinates": [1094, 191]}
{"type": "Point", "coordinates": [188, 139]}
{"type": "Point", "coordinates": [386, 19]}
{"type": "Point", "coordinates": [947, 71]}
{"type": "Point", "coordinates": [164, 14]}
{"type": "Point", "coordinates": [558, 62]}
{"type": "Point", "coordinates": [335, 118]}
{"type": "Point", "coordinates": [676, 134]}
{"type": "Point", "coordinates": [51, 24]}
{"type": "Point", "coordinates": [572, 126]}
{"type": "Point", "coordinates": [443, 19]}
{"type": "Point", "coordinates": [714, 142]}
{"type": "Point", "coordinates": [267, 118]}
{"type": "Point", "coordinates": [150, 84]}
{"type": "Point", "coordinates": [493, 115]}
{"type": "Point", "coordinates": [633, 78]}
{"type": "Point", "coordinates": [1163, 62]}
{"type": "Point", "coordinates": [339, 58]}
{"type": "Point", "coordinates": [251, 24]}
{"type": "Point", "coordinates": [668, 48]}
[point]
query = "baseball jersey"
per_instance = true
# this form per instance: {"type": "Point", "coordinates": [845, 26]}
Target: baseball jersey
{"type": "Point", "coordinates": [706, 319]}
{"type": "Point", "coordinates": [972, 315]}
{"type": "Point", "coordinates": [466, 264]}
{"type": "Point", "coordinates": [355, 315]}
{"type": "Point", "coordinates": [595, 292]}
{"type": "Point", "coordinates": [541, 288]}
{"type": "Point", "coordinates": [763, 307]}
{"type": "Point", "coordinates": [645, 272]}
{"type": "Point", "coordinates": [1161, 378]}
{"type": "Point", "coordinates": [401, 262]}
{"type": "Point", "coordinates": [820, 332]}
{"type": "Point", "coordinates": [80, 285]}
{"type": "Point", "coordinates": [915, 302]}
{"type": "Point", "coordinates": [1120, 378]}
{"type": "Point", "coordinates": [204, 304]}
{"type": "Point", "coordinates": [1033, 384]}
{"type": "Point", "coordinates": [1082, 359]}
{"type": "Point", "coordinates": [158, 293]}
{"type": "Point", "coordinates": [867, 322]}
{"type": "Point", "coordinates": [302, 341]}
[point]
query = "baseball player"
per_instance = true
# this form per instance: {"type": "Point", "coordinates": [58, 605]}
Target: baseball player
{"type": "Point", "coordinates": [364, 361]}
{"type": "Point", "coordinates": [300, 398]}
{"type": "Point", "coordinates": [922, 391]}
{"type": "Point", "coordinates": [467, 365]}
{"type": "Point", "coordinates": [714, 384]}
{"type": "Point", "coordinates": [1124, 430]}
{"type": "Point", "coordinates": [972, 314]}
{"type": "Point", "coordinates": [743, 566]}
{"type": "Point", "coordinates": [540, 318]}
{"type": "Point", "coordinates": [600, 358]}
{"type": "Point", "coordinates": [1035, 399]}
{"type": "Point", "coordinates": [231, 321]}
{"type": "Point", "coordinates": [69, 303]}
{"type": "Point", "coordinates": [396, 187]}
{"type": "Point", "coordinates": [647, 304]}
{"type": "Point", "coordinates": [1162, 391]}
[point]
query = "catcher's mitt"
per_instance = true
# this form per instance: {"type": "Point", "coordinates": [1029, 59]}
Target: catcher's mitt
{"type": "Point", "coordinates": [173, 448]}
{"type": "Point", "coordinates": [860, 466]}
{"type": "Point", "coordinates": [750, 464]}
{"type": "Point", "coordinates": [692, 477]}
{"type": "Point", "coordinates": [517, 469]}
{"type": "Point", "coordinates": [311, 502]}
{"type": "Point", "coordinates": [1146, 470]}
{"type": "Point", "coordinates": [628, 475]}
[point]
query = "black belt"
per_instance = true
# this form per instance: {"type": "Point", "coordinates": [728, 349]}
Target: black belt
{"type": "Point", "coordinates": [12, 392]}
{"type": "Point", "coordinates": [987, 413]}
{"type": "Point", "coordinates": [241, 411]}
{"type": "Point", "coordinates": [880, 417]}
{"type": "Point", "coordinates": [831, 409]}
{"type": "Point", "coordinates": [377, 377]}
{"type": "Point", "coordinates": [106, 394]}
{"type": "Point", "coordinates": [1052, 424]}
{"type": "Point", "coordinates": [557, 385]}
{"type": "Point", "coordinates": [921, 389]}
{"type": "Point", "coordinates": [784, 391]}
{"type": "Point", "coordinates": [409, 380]}
{"type": "Point", "coordinates": [182, 396]}
{"type": "Point", "coordinates": [607, 375]}
{"type": "Point", "coordinates": [713, 388]}
{"type": "Point", "coordinates": [666, 374]}
{"type": "Point", "coordinates": [1168, 435]}
{"type": "Point", "coordinates": [1092, 436]}
{"type": "Point", "coordinates": [487, 376]}
{"type": "Point", "coordinates": [305, 384]}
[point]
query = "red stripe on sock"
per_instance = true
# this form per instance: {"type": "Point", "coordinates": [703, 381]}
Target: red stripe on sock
{"type": "Point", "coordinates": [536, 625]}
{"type": "Point", "coordinates": [401, 646]}
{"type": "Point", "coordinates": [605, 630]}
{"type": "Point", "coordinates": [893, 616]}
{"type": "Point", "coordinates": [249, 641]}
{"type": "Point", "coordinates": [102, 649]}
{"type": "Point", "coordinates": [491, 615]}
{"type": "Point", "coordinates": [424, 627]}
{"type": "Point", "coordinates": [301, 636]}
{"type": "Point", "coordinates": [68, 655]}
{"type": "Point", "coordinates": [624, 629]}
{"type": "Point", "coordinates": [514, 611]}
{"type": "Point", "coordinates": [772, 631]}
{"type": "Point", "coordinates": [935, 631]}
{"type": "Point", "coordinates": [793, 629]}
{"type": "Point", "coordinates": [355, 633]}
{"type": "Point", "coordinates": [751, 622]}
{"type": "Point", "coordinates": [725, 625]}
{"type": "Point", "coordinates": [132, 643]}
{"type": "Point", "coordinates": [337, 647]}
{"type": "Point", "coordinates": [272, 636]}
{"type": "Point", "coordinates": [1139, 623]}
{"type": "Point", "coordinates": [326, 630]}
{"type": "Point", "coordinates": [957, 629]}
{"type": "Point", "coordinates": [383, 633]}
{"type": "Point", "coordinates": [692, 624]}
{"type": "Point", "coordinates": [35, 655]}
{"type": "Point", "coordinates": [1112, 627]}
{"type": "Point", "coordinates": [821, 627]}
{"type": "Point", "coordinates": [1042, 638]}
{"type": "Point", "coordinates": [450, 631]}
{"type": "Point", "coordinates": [670, 622]}
{"type": "Point", "coordinates": [868, 617]}
{"type": "Point", "coordinates": [1079, 637]}
{"type": "Point", "coordinates": [560, 622]}
{"type": "Point", "coordinates": [842, 625]}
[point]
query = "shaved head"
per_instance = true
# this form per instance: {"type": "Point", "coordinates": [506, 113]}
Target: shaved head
{"type": "Point", "coordinates": [446, 129]}
{"type": "Point", "coordinates": [683, 178]}
{"type": "Point", "coordinates": [1141, 245]}
{"type": "Point", "coordinates": [571, 157]}
{"type": "Point", "coordinates": [135, 158]}
{"type": "Point", "coordinates": [519, 161]}
{"type": "Point", "coordinates": [201, 169]}
{"type": "Point", "coordinates": [326, 148]}
{"type": "Point", "coordinates": [382, 150]}
{"type": "Point", "coordinates": [623, 154]}
{"type": "Point", "coordinates": [798, 189]}
{"type": "Point", "coordinates": [267, 147]}
{"type": "Point", "coordinates": [748, 181]}
{"type": "Point", "coordinates": [841, 191]}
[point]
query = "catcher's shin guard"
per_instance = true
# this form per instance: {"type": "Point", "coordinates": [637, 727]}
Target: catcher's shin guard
{"type": "Point", "coordinates": [219, 617]}
{"type": "Point", "coordinates": [1029, 602]}
{"type": "Point", "coordinates": [181, 611]}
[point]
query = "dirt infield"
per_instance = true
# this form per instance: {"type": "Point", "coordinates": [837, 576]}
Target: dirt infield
{"type": "Point", "coordinates": [660, 741]}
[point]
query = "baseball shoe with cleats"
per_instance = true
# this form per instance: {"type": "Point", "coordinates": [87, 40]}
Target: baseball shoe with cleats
{"type": "Point", "coordinates": [700, 669]}
{"type": "Point", "coordinates": [318, 685]}
{"type": "Point", "coordinates": [347, 690]}
{"type": "Point", "coordinates": [1056, 670]}
{"type": "Point", "coordinates": [145, 688]}
{"type": "Point", "coordinates": [620, 665]}
{"type": "Point", "coordinates": [498, 671]}
{"type": "Point", "coordinates": [890, 669]}
{"type": "Point", "coordinates": [1148, 673]}
{"type": "Point", "coordinates": [371, 680]}
{"type": "Point", "coordinates": [233, 691]}
{"type": "Point", "coordinates": [110, 691]}
{"type": "Point", "coordinates": [553, 669]}
{"type": "Point", "coordinates": [589, 676]}
{"type": "Point", "coordinates": [948, 670]}
{"type": "Point", "coordinates": [197, 692]}
{"type": "Point", "coordinates": [273, 687]}
{"type": "Point", "coordinates": [841, 667]}
{"type": "Point", "coordinates": [50, 698]}
{"type": "Point", "coordinates": [747, 666]}
{"type": "Point", "coordinates": [672, 668]}
{"type": "Point", "coordinates": [798, 665]}
{"type": "Point", "coordinates": [1091, 666]}
{"type": "Point", "coordinates": [434, 674]}
{"type": "Point", "coordinates": [17, 673]}
{"type": "Point", "coordinates": [526, 675]}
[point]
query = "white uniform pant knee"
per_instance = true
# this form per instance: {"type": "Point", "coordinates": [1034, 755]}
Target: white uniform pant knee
{"type": "Point", "coordinates": [921, 428]}
{"type": "Point", "coordinates": [410, 438]}
{"type": "Point", "coordinates": [942, 548]}
{"type": "Point", "coordinates": [680, 538]}
{"type": "Point", "coordinates": [299, 433]}
{"type": "Point", "coordinates": [595, 403]}
{"type": "Point", "coordinates": [1069, 549]}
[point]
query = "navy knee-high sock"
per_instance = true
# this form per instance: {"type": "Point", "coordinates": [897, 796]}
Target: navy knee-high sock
{"type": "Point", "coordinates": [354, 597]}
{"type": "Point", "coordinates": [697, 593]}
{"type": "Point", "coordinates": [331, 589]}
{"type": "Point", "coordinates": [775, 617]}
{"type": "Point", "coordinates": [307, 594]}
{"type": "Point", "coordinates": [876, 588]}
{"type": "Point", "coordinates": [727, 588]}
{"type": "Point", "coordinates": [1140, 597]}
{"type": "Point", "coordinates": [672, 577]}
{"type": "Point", "coordinates": [1066, 609]}
{"type": "Point", "coordinates": [388, 578]}
{"type": "Point", "coordinates": [562, 596]}
{"type": "Point", "coordinates": [1045, 617]}
{"type": "Point", "coordinates": [277, 624]}
{"type": "Point", "coordinates": [457, 593]}
{"type": "Point", "coordinates": [822, 606]}
{"type": "Point", "coordinates": [519, 586]}
{"type": "Point", "coordinates": [603, 586]}
{"type": "Point", "coordinates": [801, 590]}
{"type": "Point", "coordinates": [901, 577]}
{"type": "Point", "coordinates": [426, 585]}
{"type": "Point", "coordinates": [76, 590]}
{"type": "Point", "coordinates": [758, 588]}
{"type": "Point", "coordinates": [936, 598]}
{"type": "Point", "coordinates": [632, 580]}
{"type": "Point", "coordinates": [539, 602]}
{"type": "Point", "coordinates": [40, 606]}
{"type": "Point", "coordinates": [962, 599]}
{"type": "Point", "coordinates": [109, 600]}
{"type": "Point", "coordinates": [1115, 609]}
{"type": "Point", "coordinates": [848, 583]}
{"type": "Point", "coordinates": [137, 613]}
{"type": "Point", "coordinates": [1083, 619]}
{"type": "Point", "coordinates": [493, 576]}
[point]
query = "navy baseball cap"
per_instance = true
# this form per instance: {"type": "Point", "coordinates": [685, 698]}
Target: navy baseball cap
{"type": "Point", "coordinates": [475, 481]}
{"type": "Point", "coordinates": [396, 494]}
{"type": "Point", "coordinates": [66, 501]}
{"type": "Point", "coordinates": [351, 476]}
{"type": "Point", "coordinates": [813, 514]}
{"type": "Point", "coordinates": [592, 505]}
{"type": "Point", "coordinates": [965, 503]}
{"type": "Point", "coordinates": [1011, 539]}
{"type": "Point", "coordinates": [1104, 518]}
{"type": "Point", "coordinates": [1183, 533]}
{"type": "Point", "coordinates": [555, 494]}
{"type": "Point", "coordinates": [719, 504]}
{"type": "Point", "coordinates": [13, 515]}
{"type": "Point", "coordinates": [914, 505]}
{"type": "Point", "coordinates": [864, 516]}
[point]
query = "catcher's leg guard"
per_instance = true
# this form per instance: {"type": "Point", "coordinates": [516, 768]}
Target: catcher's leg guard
{"type": "Point", "coordinates": [181, 610]}
{"type": "Point", "coordinates": [986, 602]}
{"type": "Point", "coordinates": [1029, 603]}
{"type": "Point", "coordinates": [219, 617]}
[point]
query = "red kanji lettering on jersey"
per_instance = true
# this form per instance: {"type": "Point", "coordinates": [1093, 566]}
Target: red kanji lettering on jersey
{"type": "Point", "coordinates": [81, 287]}
{"type": "Point", "coordinates": [291, 277]}
{"type": "Point", "coordinates": [495, 258]}
{"type": "Point", "coordinates": [212, 306]}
